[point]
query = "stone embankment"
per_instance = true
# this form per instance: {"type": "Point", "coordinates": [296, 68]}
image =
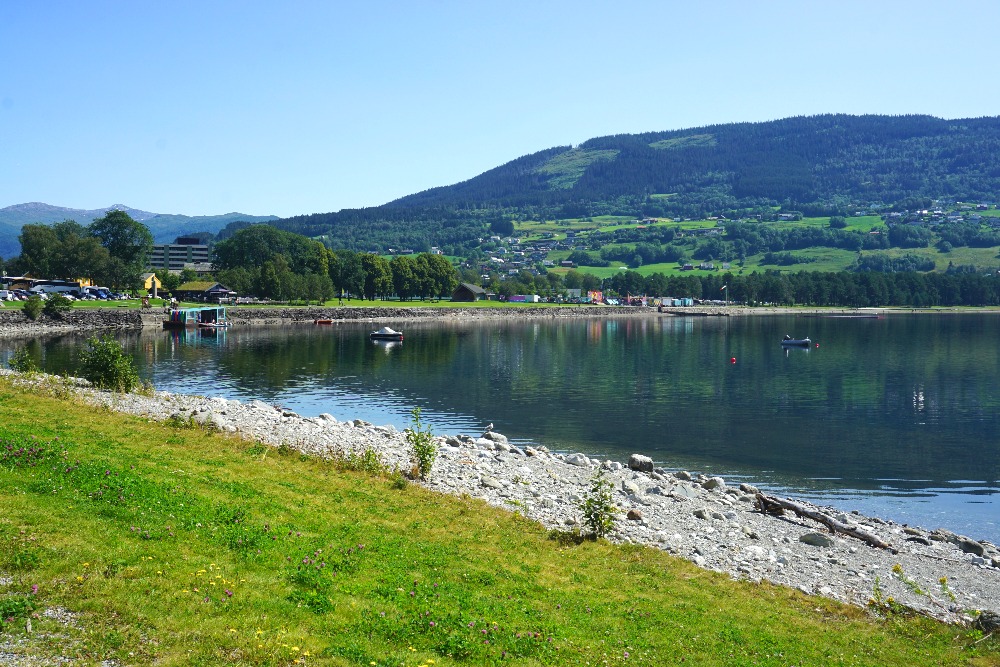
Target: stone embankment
{"type": "Point", "coordinates": [13, 323]}
{"type": "Point", "coordinates": [697, 517]}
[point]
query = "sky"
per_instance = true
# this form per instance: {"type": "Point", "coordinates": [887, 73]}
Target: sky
{"type": "Point", "coordinates": [208, 107]}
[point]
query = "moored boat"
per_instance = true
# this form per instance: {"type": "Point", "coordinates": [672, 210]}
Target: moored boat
{"type": "Point", "coordinates": [386, 333]}
{"type": "Point", "coordinates": [798, 342]}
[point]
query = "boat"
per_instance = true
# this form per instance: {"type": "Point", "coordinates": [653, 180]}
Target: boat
{"type": "Point", "coordinates": [322, 321]}
{"type": "Point", "coordinates": [385, 333]}
{"type": "Point", "coordinates": [796, 342]}
{"type": "Point", "coordinates": [212, 317]}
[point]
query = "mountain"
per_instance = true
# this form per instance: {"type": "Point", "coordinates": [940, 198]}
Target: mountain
{"type": "Point", "coordinates": [164, 227]}
{"type": "Point", "coordinates": [824, 164]}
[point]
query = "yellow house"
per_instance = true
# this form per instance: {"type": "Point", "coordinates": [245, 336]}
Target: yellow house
{"type": "Point", "coordinates": [151, 283]}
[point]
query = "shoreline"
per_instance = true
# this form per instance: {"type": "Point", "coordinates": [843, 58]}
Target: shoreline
{"type": "Point", "coordinates": [699, 518]}
{"type": "Point", "coordinates": [14, 324]}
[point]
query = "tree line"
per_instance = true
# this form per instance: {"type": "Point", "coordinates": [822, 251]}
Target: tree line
{"type": "Point", "coordinates": [956, 287]}
{"type": "Point", "coordinates": [113, 250]}
{"type": "Point", "coordinates": [276, 264]}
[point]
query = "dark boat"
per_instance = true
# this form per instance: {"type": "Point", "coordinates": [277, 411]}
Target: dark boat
{"type": "Point", "coordinates": [796, 342]}
{"type": "Point", "coordinates": [385, 333]}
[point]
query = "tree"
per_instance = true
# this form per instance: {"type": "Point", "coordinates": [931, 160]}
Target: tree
{"type": "Point", "coordinates": [378, 276]}
{"type": "Point", "coordinates": [129, 243]}
{"type": "Point", "coordinates": [838, 222]}
{"type": "Point", "coordinates": [350, 275]}
{"type": "Point", "coordinates": [39, 246]}
{"type": "Point", "coordinates": [404, 276]}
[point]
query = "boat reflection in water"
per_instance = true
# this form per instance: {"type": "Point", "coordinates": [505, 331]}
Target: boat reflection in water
{"type": "Point", "coordinates": [387, 345]}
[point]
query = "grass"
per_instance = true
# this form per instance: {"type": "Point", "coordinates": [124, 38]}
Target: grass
{"type": "Point", "coordinates": [177, 546]}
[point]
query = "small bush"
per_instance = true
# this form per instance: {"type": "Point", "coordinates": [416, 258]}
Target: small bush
{"type": "Point", "coordinates": [56, 306]}
{"type": "Point", "coordinates": [106, 366]}
{"type": "Point", "coordinates": [598, 510]}
{"type": "Point", "coordinates": [422, 444]}
{"type": "Point", "coordinates": [33, 308]}
{"type": "Point", "coordinates": [22, 362]}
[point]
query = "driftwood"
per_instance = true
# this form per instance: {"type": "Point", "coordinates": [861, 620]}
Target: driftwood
{"type": "Point", "coordinates": [776, 506]}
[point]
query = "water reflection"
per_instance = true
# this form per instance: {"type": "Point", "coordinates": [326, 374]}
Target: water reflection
{"type": "Point", "coordinates": [895, 408]}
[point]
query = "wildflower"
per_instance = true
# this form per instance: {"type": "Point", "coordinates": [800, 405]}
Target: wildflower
{"type": "Point", "coordinates": [34, 589]}
{"type": "Point", "coordinates": [228, 593]}
{"type": "Point", "coordinates": [897, 568]}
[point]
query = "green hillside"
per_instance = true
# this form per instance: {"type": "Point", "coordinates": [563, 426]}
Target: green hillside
{"type": "Point", "coordinates": [819, 165]}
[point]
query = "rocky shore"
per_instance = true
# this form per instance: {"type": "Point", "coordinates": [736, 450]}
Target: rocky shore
{"type": "Point", "coordinates": [698, 517]}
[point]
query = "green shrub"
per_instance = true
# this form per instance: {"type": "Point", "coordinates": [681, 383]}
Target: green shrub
{"type": "Point", "coordinates": [598, 510]}
{"type": "Point", "coordinates": [422, 444]}
{"type": "Point", "coordinates": [56, 306]}
{"type": "Point", "coordinates": [33, 308]}
{"type": "Point", "coordinates": [106, 366]}
{"type": "Point", "coordinates": [22, 362]}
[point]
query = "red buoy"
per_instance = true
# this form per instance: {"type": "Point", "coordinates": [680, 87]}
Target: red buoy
{"type": "Point", "coordinates": [817, 344]}
{"type": "Point", "coordinates": [732, 360]}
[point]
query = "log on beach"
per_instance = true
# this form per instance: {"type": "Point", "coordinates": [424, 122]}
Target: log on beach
{"type": "Point", "coordinates": [774, 505]}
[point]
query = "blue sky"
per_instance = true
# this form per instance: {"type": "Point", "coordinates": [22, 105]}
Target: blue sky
{"type": "Point", "coordinates": [205, 107]}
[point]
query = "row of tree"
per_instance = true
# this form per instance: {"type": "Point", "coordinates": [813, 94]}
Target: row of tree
{"type": "Point", "coordinates": [843, 289]}
{"type": "Point", "coordinates": [113, 250]}
{"type": "Point", "coordinates": [277, 264]}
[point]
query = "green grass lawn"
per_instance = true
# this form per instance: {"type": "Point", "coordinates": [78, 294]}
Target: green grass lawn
{"type": "Point", "coordinates": [178, 546]}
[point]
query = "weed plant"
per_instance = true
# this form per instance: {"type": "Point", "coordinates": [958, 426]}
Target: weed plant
{"type": "Point", "coordinates": [422, 445]}
{"type": "Point", "coordinates": [598, 507]}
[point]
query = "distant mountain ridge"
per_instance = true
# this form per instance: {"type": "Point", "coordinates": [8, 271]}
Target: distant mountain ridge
{"type": "Point", "coordinates": [164, 226]}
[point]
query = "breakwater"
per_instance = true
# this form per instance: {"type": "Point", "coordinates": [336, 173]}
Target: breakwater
{"type": "Point", "coordinates": [14, 323]}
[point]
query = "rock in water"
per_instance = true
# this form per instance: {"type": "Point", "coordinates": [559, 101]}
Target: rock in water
{"type": "Point", "coordinates": [640, 462]}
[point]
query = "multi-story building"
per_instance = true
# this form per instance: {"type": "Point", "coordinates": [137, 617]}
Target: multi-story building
{"type": "Point", "coordinates": [173, 256]}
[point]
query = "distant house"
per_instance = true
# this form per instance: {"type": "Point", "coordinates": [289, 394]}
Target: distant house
{"type": "Point", "coordinates": [151, 284]}
{"type": "Point", "coordinates": [468, 292]}
{"type": "Point", "coordinates": [204, 291]}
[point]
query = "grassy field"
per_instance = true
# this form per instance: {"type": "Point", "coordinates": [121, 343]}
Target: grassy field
{"type": "Point", "coordinates": [172, 545]}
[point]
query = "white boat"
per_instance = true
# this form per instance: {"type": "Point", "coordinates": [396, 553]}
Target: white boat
{"type": "Point", "coordinates": [385, 333]}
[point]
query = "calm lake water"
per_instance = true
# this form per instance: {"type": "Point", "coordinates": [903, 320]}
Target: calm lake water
{"type": "Point", "coordinates": [897, 417]}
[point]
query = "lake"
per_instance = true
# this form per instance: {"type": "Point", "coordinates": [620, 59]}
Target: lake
{"type": "Point", "coordinates": [896, 417]}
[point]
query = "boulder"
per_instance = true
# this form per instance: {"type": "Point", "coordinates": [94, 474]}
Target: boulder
{"type": "Point", "coordinates": [630, 488]}
{"type": "Point", "coordinates": [971, 547]}
{"type": "Point", "coordinates": [817, 539]}
{"type": "Point", "coordinates": [578, 460]}
{"type": "Point", "coordinates": [714, 483]}
{"type": "Point", "coordinates": [683, 475]}
{"type": "Point", "coordinates": [640, 462]}
{"type": "Point", "coordinates": [495, 437]}
{"type": "Point", "coordinates": [634, 515]}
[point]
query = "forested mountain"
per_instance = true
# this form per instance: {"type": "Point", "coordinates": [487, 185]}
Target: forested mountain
{"type": "Point", "coordinates": [164, 226]}
{"type": "Point", "coordinates": [822, 164]}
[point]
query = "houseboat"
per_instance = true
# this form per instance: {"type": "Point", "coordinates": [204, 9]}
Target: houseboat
{"type": "Point", "coordinates": [208, 317]}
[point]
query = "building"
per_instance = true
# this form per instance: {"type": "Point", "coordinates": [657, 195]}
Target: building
{"type": "Point", "coordinates": [204, 291]}
{"type": "Point", "coordinates": [468, 292]}
{"type": "Point", "coordinates": [151, 284]}
{"type": "Point", "coordinates": [173, 256]}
